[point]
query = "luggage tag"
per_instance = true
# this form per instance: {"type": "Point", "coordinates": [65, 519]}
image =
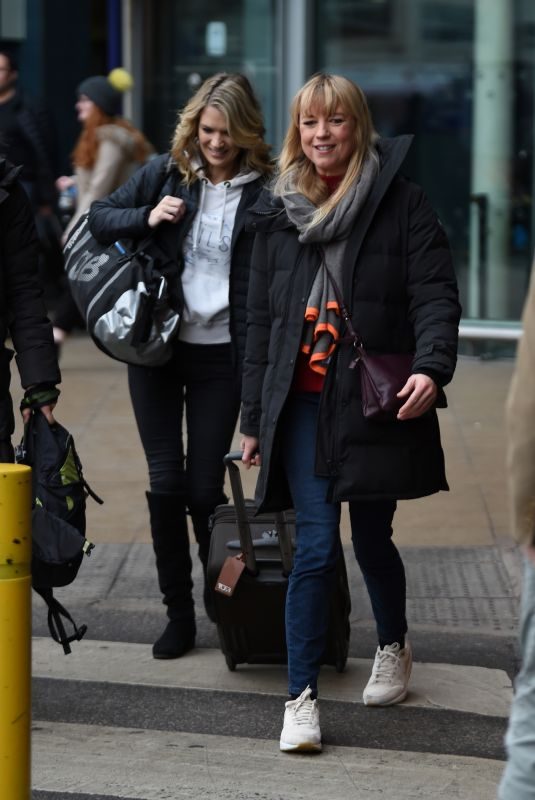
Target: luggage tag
{"type": "Point", "coordinates": [229, 576]}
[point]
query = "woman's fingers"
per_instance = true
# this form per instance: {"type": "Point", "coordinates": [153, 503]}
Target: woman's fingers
{"type": "Point", "coordinates": [169, 209]}
{"type": "Point", "coordinates": [422, 392]}
{"type": "Point", "coordinates": [47, 412]}
{"type": "Point", "coordinates": [249, 448]}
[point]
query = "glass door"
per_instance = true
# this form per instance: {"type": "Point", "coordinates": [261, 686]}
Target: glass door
{"type": "Point", "coordinates": [461, 80]}
{"type": "Point", "coordinates": [184, 43]}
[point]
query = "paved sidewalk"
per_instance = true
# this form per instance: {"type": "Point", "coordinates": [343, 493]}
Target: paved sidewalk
{"type": "Point", "coordinates": [95, 406]}
{"type": "Point", "coordinates": [138, 728]}
{"type": "Point", "coordinates": [463, 568]}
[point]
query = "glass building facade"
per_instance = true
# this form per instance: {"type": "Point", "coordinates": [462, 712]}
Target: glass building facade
{"type": "Point", "coordinates": [458, 74]}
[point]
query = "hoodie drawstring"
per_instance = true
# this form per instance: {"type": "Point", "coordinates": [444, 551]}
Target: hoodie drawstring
{"type": "Point", "coordinates": [227, 185]}
{"type": "Point", "coordinates": [198, 218]}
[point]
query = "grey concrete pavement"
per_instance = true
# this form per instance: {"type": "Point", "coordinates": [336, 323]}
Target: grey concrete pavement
{"type": "Point", "coordinates": [106, 699]}
{"type": "Point", "coordinates": [475, 690]}
{"type": "Point", "coordinates": [95, 406]}
{"type": "Point", "coordinates": [153, 765]}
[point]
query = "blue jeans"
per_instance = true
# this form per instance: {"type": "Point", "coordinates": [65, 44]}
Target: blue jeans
{"type": "Point", "coordinates": [318, 548]}
{"type": "Point", "coordinates": [518, 782]}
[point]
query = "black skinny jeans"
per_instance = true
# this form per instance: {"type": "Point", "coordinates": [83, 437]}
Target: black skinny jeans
{"type": "Point", "coordinates": [200, 380]}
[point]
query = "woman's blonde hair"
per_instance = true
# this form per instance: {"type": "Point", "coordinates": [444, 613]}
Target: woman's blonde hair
{"type": "Point", "coordinates": [233, 96]}
{"type": "Point", "coordinates": [328, 94]}
{"type": "Point", "coordinates": [86, 148]}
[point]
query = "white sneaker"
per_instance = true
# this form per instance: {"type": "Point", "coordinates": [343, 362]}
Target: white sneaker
{"type": "Point", "coordinates": [390, 676]}
{"type": "Point", "coordinates": [301, 729]}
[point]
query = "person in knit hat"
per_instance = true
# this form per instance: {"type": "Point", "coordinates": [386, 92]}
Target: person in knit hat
{"type": "Point", "coordinates": [103, 93]}
{"type": "Point", "coordinates": [108, 151]}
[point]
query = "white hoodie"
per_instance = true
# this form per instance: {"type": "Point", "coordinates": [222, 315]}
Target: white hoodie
{"type": "Point", "coordinates": [206, 251]}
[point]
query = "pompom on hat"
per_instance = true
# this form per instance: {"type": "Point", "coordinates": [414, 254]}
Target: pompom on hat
{"type": "Point", "coordinates": [107, 92]}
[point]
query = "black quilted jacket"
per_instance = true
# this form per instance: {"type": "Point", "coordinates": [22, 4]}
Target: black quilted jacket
{"type": "Point", "coordinates": [37, 136]}
{"type": "Point", "coordinates": [402, 293]}
{"type": "Point", "coordinates": [22, 311]}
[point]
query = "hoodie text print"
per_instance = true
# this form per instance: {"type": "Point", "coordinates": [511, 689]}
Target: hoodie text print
{"type": "Point", "coordinates": [207, 257]}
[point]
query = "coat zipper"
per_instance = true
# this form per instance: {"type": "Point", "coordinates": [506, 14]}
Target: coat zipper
{"type": "Point", "coordinates": [285, 318]}
{"type": "Point", "coordinates": [332, 464]}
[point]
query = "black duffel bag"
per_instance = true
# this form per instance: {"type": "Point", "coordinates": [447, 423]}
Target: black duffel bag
{"type": "Point", "coordinates": [122, 294]}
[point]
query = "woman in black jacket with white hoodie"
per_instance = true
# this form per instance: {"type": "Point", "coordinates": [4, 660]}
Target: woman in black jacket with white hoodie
{"type": "Point", "coordinates": [194, 201]}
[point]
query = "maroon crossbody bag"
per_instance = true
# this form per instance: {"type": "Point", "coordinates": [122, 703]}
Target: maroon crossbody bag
{"type": "Point", "coordinates": [382, 375]}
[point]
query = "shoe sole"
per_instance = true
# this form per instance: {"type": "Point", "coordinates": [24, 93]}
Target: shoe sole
{"type": "Point", "coordinates": [399, 699]}
{"type": "Point", "coordinates": [304, 747]}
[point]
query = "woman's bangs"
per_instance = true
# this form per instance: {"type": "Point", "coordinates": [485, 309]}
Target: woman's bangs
{"type": "Point", "coordinates": [321, 98]}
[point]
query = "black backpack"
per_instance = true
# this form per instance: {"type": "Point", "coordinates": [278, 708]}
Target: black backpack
{"type": "Point", "coordinates": [59, 492]}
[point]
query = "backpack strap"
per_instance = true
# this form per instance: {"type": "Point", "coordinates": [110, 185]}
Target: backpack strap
{"type": "Point", "coordinates": [83, 481]}
{"type": "Point", "coordinates": [55, 624]}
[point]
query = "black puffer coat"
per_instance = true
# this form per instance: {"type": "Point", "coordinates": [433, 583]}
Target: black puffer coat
{"type": "Point", "coordinates": [22, 311]}
{"type": "Point", "coordinates": [125, 214]}
{"type": "Point", "coordinates": [403, 297]}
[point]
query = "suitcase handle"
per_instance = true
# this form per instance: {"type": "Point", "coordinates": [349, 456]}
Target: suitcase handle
{"type": "Point", "coordinates": [244, 529]}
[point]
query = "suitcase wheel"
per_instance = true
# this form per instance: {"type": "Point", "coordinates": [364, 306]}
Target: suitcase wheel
{"type": "Point", "coordinates": [231, 664]}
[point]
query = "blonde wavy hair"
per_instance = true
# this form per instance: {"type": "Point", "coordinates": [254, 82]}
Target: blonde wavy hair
{"type": "Point", "coordinates": [324, 93]}
{"type": "Point", "coordinates": [86, 149]}
{"type": "Point", "coordinates": [233, 96]}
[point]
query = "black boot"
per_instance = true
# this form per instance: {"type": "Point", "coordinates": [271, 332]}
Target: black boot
{"type": "Point", "coordinates": [200, 518]}
{"type": "Point", "coordinates": [173, 561]}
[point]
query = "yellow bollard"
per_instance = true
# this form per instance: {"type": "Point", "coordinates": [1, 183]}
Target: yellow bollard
{"type": "Point", "coordinates": [15, 630]}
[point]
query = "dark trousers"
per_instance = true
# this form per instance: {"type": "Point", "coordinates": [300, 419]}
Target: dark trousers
{"type": "Point", "coordinates": [200, 382]}
{"type": "Point", "coordinates": [317, 540]}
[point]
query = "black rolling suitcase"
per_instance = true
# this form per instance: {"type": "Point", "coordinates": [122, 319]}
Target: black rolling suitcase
{"type": "Point", "coordinates": [250, 614]}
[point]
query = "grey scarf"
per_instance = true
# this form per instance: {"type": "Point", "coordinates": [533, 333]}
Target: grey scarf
{"type": "Point", "coordinates": [322, 315]}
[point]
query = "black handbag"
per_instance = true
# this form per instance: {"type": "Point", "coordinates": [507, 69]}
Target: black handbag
{"type": "Point", "coordinates": [122, 294]}
{"type": "Point", "coordinates": [382, 375]}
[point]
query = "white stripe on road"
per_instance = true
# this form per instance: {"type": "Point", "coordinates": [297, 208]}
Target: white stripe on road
{"type": "Point", "coordinates": [443, 686]}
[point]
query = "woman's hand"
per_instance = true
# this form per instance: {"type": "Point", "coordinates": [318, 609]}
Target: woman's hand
{"type": "Point", "coordinates": [169, 209]}
{"type": "Point", "coordinates": [421, 393]}
{"type": "Point", "coordinates": [64, 182]}
{"type": "Point", "coordinates": [45, 410]}
{"type": "Point", "coordinates": [251, 456]}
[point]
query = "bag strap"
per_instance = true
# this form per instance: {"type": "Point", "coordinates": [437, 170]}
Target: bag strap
{"type": "Point", "coordinates": [139, 246]}
{"type": "Point", "coordinates": [24, 452]}
{"type": "Point", "coordinates": [364, 220]}
{"type": "Point", "coordinates": [152, 202]}
{"type": "Point", "coordinates": [354, 337]}
{"type": "Point", "coordinates": [83, 481]}
{"type": "Point", "coordinates": [55, 624]}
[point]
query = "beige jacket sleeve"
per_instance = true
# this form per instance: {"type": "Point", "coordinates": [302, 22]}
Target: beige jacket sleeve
{"type": "Point", "coordinates": [520, 428]}
{"type": "Point", "coordinates": [103, 179]}
{"type": "Point", "coordinates": [115, 163]}
{"type": "Point", "coordinates": [108, 166]}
